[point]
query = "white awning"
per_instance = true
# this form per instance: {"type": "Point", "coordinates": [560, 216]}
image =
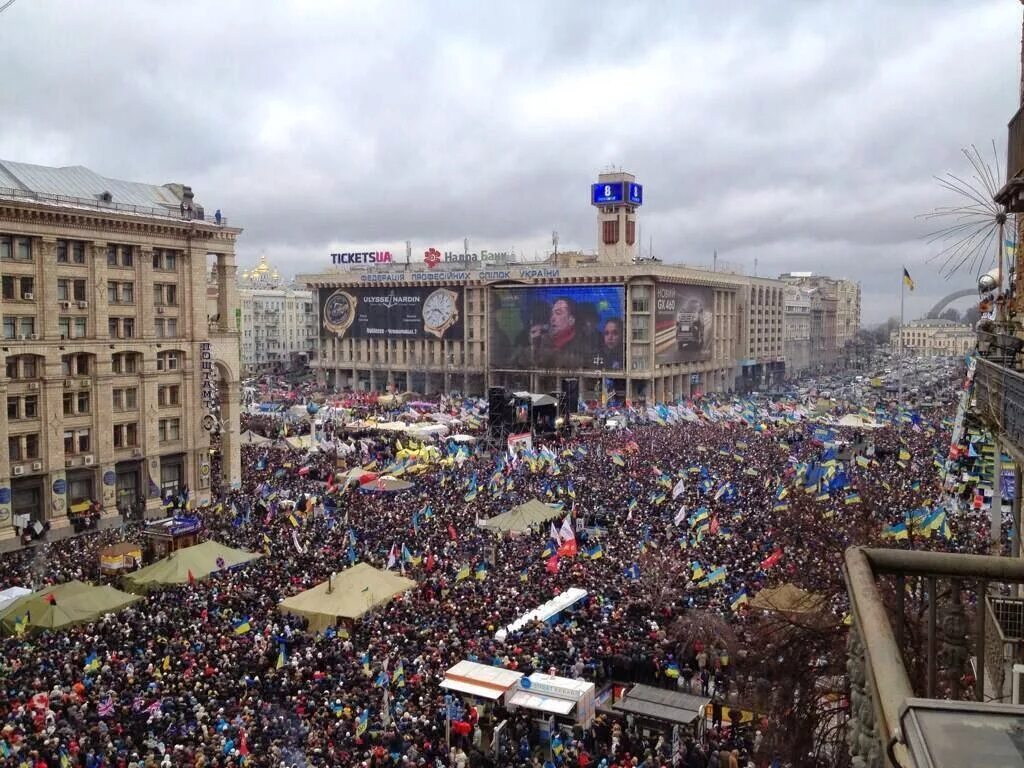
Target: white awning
{"type": "Point", "coordinates": [541, 703]}
{"type": "Point", "coordinates": [473, 690]}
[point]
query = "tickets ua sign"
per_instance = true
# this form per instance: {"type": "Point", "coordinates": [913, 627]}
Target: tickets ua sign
{"type": "Point", "coordinates": [362, 257]}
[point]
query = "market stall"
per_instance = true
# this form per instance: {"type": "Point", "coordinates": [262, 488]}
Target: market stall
{"type": "Point", "coordinates": [659, 710]}
{"type": "Point", "coordinates": [570, 701]}
{"type": "Point", "coordinates": [123, 556]}
{"type": "Point", "coordinates": [171, 534]}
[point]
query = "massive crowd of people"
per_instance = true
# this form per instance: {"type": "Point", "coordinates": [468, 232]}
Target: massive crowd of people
{"type": "Point", "coordinates": [673, 518]}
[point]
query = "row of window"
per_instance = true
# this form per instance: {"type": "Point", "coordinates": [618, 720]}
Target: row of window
{"type": "Point", "coordinates": [79, 441]}
{"type": "Point", "coordinates": [118, 292]}
{"type": "Point", "coordinates": [23, 327]}
{"type": "Point", "coordinates": [21, 407]}
{"type": "Point", "coordinates": [26, 367]}
{"type": "Point", "coordinates": [14, 248]}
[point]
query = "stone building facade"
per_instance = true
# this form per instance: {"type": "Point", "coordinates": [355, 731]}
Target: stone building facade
{"type": "Point", "coordinates": [113, 373]}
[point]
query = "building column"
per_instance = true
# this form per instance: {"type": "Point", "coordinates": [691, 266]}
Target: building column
{"type": "Point", "coordinates": [230, 449]}
{"type": "Point", "coordinates": [98, 313]}
{"type": "Point", "coordinates": [6, 521]}
{"type": "Point", "coordinates": [102, 393]}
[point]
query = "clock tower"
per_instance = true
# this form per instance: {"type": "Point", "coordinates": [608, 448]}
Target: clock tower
{"type": "Point", "coordinates": [617, 198]}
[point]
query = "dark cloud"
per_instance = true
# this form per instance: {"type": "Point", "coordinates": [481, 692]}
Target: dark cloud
{"type": "Point", "coordinates": [804, 136]}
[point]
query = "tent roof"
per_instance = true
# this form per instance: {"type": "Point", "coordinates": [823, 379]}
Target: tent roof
{"type": "Point", "coordinates": [522, 518]}
{"type": "Point", "coordinates": [121, 548]}
{"type": "Point", "coordinates": [662, 704]}
{"type": "Point", "coordinates": [11, 594]}
{"type": "Point", "coordinates": [354, 591]}
{"type": "Point", "coordinates": [249, 437]}
{"type": "Point", "coordinates": [787, 598]}
{"type": "Point", "coordinates": [74, 602]}
{"type": "Point", "coordinates": [386, 485]}
{"type": "Point", "coordinates": [201, 559]}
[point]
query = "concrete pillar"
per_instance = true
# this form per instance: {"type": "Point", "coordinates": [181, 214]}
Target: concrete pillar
{"type": "Point", "coordinates": [6, 522]}
{"type": "Point", "coordinates": [104, 437]}
{"type": "Point", "coordinates": [97, 293]}
{"type": "Point", "coordinates": [144, 328]}
{"type": "Point", "coordinates": [227, 292]}
{"type": "Point", "coordinates": [45, 253]}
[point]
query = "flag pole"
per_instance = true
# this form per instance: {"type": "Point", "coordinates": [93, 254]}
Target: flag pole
{"type": "Point", "coordinates": [899, 358]}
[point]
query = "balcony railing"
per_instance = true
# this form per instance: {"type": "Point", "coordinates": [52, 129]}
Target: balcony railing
{"type": "Point", "coordinates": [890, 725]}
{"type": "Point", "coordinates": [195, 214]}
{"type": "Point", "coordinates": [999, 399]}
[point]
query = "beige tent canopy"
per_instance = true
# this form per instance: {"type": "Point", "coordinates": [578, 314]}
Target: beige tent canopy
{"type": "Point", "coordinates": [787, 598]}
{"type": "Point", "coordinates": [200, 560]}
{"type": "Point", "coordinates": [530, 515]}
{"type": "Point", "coordinates": [858, 421]}
{"type": "Point", "coordinates": [353, 592]}
{"type": "Point", "coordinates": [64, 605]}
{"type": "Point", "coordinates": [252, 438]}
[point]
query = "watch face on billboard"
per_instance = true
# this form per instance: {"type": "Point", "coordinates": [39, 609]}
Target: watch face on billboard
{"type": "Point", "coordinates": [411, 312]}
{"type": "Point", "coordinates": [683, 322]}
{"type": "Point", "coordinates": [558, 327]}
{"type": "Point", "coordinates": [604, 194]}
{"type": "Point", "coordinates": [636, 194]}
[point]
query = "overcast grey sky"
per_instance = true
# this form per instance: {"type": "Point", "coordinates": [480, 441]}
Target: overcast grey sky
{"type": "Point", "coordinates": [802, 134]}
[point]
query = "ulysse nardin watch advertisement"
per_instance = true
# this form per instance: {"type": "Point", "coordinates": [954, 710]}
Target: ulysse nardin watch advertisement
{"type": "Point", "coordinates": [391, 313]}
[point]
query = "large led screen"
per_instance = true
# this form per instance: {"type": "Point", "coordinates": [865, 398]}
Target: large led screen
{"type": "Point", "coordinates": [411, 312]}
{"type": "Point", "coordinates": [683, 316]}
{"type": "Point", "coordinates": [567, 327]}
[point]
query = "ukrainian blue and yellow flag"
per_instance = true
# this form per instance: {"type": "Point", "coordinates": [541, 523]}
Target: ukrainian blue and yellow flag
{"type": "Point", "coordinates": [739, 599]}
{"type": "Point", "coordinates": [463, 573]}
{"type": "Point", "coordinates": [242, 626]}
{"type": "Point", "coordinates": [852, 498]}
{"type": "Point", "coordinates": [92, 662]}
{"type": "Point", "coordinates": [898, 532]}
{"type": "Point", "coordinates": [21, 624]}
{"type": "Point", "coordinates": [481, 571]}
{"type": "Point", "coordinates": [398, 676]}
{"type": "Point", "coordinates": [596, 551]}
{"type": "Point", "coordinates": [697, 570]}
{"type": "Point", "coordinates": [362, 722]}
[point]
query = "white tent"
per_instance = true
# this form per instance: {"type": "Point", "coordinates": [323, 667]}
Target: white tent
{"type": "Point", "coordinates": [11, 594]}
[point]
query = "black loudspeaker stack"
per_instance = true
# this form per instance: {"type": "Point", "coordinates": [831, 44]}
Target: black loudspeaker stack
{"type": "Point", "coordinates": [496, 411]}
{"type": "Point", "coordinates": [571, 390]}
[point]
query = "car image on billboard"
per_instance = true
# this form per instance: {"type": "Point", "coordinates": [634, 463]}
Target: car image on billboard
{"type": "Point", "coordinates": [683, 323]}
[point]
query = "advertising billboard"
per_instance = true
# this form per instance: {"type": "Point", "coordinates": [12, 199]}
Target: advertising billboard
{"type": "Point", "coordinates": [566, 327]}
{"type": "Point", "coordinates": [683, 317]}
{"type": "Point", "coordinates": [407, 312]}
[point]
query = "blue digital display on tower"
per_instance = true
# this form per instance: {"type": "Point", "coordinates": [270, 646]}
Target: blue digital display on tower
{"type": "Point", "coordinates": [636, 194]}
{"type": "Point", "coordinates": [603, 194]}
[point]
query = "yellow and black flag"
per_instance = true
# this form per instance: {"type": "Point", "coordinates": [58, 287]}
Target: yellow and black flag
{"type": "Point", "coordinates": [907, 279]}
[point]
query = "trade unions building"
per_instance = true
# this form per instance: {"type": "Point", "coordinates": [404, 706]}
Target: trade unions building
{"type": "Point", "coordinates": [627, 328]}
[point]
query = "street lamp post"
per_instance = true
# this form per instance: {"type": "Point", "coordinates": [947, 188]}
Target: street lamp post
{"type": "Point", "coordinates": [598, 363]}
{"type": "Point", "coordinates": [312, 409]}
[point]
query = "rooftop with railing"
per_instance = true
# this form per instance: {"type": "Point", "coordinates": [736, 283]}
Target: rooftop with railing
{"type": "Point", "coordinates": [195, 213]}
